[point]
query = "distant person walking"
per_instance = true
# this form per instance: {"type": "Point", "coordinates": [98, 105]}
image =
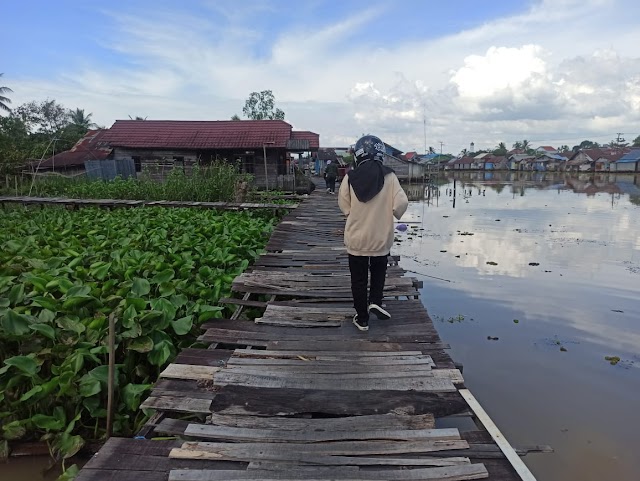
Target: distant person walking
{"type": "Point", "coordinates": [330, 176]}
{"type": "Point", "coordinates": [370, 196]}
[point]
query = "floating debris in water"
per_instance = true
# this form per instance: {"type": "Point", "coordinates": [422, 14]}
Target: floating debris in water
{"type": "Point", "coordinates": [491, 263]}
{"type": "Point", "coordinates": [443, 251]}
{"type": "Point", "coordinates": [534, 263]}
{"type": "Point", "coordinates": [466, 233]}
{"type": "Point", "coordinates": [516, 321]}
{"type": "Point", "coordinates": [563, 349]}
{"type": "Point", "coordinates": [616, 310]}
{"type": "Point", "coordinates": [613, 360]}
{"type": "Point", "coordinates": [491, 338]}
{"type": "Point", "coordinates": [497, 220]}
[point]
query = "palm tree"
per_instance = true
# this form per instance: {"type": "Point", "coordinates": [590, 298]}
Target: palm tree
{"type": "Point", "coordinates": [432, 150]}
{"type": "Point", "coordinates": [525, 145]}
{"type": "Point", "coordinates": [79, 118]}
{"type": "Point", "coordinates": [4, 100]}
{"type": "Point", "coordinates": [137, 118]}
{"type": "Point", "coordinates": [501, 149]}
{"type": "Point", "coordinates": [517, 145]}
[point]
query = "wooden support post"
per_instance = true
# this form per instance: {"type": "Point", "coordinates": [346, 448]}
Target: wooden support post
{"type": "Point", "coordinates": [111, 372]}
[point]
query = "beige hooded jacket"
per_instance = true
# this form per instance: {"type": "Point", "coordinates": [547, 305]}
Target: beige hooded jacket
{"type": "Point", "coordinates": [369, 227]}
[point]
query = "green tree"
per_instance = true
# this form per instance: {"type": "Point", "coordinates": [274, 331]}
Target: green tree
{"type": "Point", "coordinates": [501, 149]}
{"type": "Point", "coordinates": [4, 100]}
{"type": "Point", "coordinates": [137, 117]}
{"type": "Point", "coordinates": [260, 106]}
{"type": "Point", "coordinates": [235, 117]}
{"type": "Point", "coordinates": [563, 148]}
{"type": "Point", "coordinates": [636, 142]}
{"type": "Point", "coordinates": [14, 143]}
{"type": "Point", "coordinates": [79, 118]}
{"type": "Point", "coordinates": [47, 117]}
{"type": "Point", "coordinates": [588, 144]}
{"type": "Point", "coordinates": [517, 145]}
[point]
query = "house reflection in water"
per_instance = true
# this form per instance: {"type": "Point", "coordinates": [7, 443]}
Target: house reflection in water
{"type": "Point", "coordinates": [590, 183]}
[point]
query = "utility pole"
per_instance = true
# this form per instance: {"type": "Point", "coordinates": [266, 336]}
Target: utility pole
{"type": "Point", "coordinates": [440, 159]}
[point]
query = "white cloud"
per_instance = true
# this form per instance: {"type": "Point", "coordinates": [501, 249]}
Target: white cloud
{"type": "Point", "coordinates": [561, 71]}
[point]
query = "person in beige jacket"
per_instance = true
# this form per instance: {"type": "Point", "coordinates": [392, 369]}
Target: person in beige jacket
{"type": "Point", "coordinates": [370, 197]}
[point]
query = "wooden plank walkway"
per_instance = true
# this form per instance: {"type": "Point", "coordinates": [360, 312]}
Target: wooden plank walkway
{"type": "Point", "coordinates": [301, 394]}
{"type": "Point", "coordinates": [112, 203]}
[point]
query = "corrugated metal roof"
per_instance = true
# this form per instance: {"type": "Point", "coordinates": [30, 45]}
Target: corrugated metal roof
{"type": "Point", "coordinates": [312, 138]}
{"type": "Point", "coordinates": [216, 134]}
{"type": "Point", "coordinates": [90, 147]}
{"type": "Point", "coordinates": [462, 160]}
{"type": "Point", "coordinates": [630, 157]}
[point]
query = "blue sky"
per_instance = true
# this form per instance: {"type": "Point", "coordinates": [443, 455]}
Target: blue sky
{"type": "Point", "coordinates": [551, 71]}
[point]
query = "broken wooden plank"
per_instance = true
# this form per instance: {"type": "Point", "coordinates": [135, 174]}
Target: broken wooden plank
{"type": "Point", "coordinates": [188, 371]}
{"type": "Point", "coordinates": [179, 404]}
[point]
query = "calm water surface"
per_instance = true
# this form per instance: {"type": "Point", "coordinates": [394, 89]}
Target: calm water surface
{"type": "Point", "coordinates": [545, 379]}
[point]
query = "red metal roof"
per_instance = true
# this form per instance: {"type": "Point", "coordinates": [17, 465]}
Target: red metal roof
{"type": "Point", "coordinates": [90, 147]}
{"type": "Point", "coordinates": [213, 134]}
{"type": "Point", "coordinates": [312, 137]}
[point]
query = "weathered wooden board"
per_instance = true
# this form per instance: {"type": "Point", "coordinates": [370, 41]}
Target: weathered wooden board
{"type": "Point", "coordinates": [353, 423]}
{"type": "Point", "coordinates": [250, 453]}
{"type": "Point", "coordinates": [352, 448]}
{"type": "Point", "coordinates": [188, 371]}
{"type": "Point", "coordinates": [450, 473]}
{"type": "Point", "coordinates": [243, 400]}
{"type": "Point", "coordinates": [229, 433]}
{"type": "Point", "coordinates": [173, 403]}
{"type": "Point", "coordinates": [425, 384]}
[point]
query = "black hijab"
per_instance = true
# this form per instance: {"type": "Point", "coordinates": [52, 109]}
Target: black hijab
{"type": "Point", "coordinates": [367, 179]}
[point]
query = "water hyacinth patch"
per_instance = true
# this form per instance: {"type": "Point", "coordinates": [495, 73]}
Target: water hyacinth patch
{"type": "Point", "coordinates": [159, 272]}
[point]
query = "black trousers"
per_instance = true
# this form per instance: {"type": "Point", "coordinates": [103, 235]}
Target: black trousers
{"type": "Point", "coordinates": [360, 267]}
{"type": "Point", "coordinates": [331, 183]}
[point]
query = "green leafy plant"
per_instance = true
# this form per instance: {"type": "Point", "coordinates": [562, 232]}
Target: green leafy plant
{"type": "Point", "coordinates": [159, 272]}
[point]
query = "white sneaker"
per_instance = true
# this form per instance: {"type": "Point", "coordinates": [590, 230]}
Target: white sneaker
{"type": "Point", "coordinates": [362, 325]}
{"type": "Point", "coordinates": [328, 191]}
{"type": "Point", "coordinates": [379, 312]}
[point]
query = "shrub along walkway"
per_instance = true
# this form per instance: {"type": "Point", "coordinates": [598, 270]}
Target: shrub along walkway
{"type": "Point", "coordinates": [302, 394]}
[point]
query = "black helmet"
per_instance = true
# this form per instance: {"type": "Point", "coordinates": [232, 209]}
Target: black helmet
{"type": "Point", "coordinates": [369, 147]}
